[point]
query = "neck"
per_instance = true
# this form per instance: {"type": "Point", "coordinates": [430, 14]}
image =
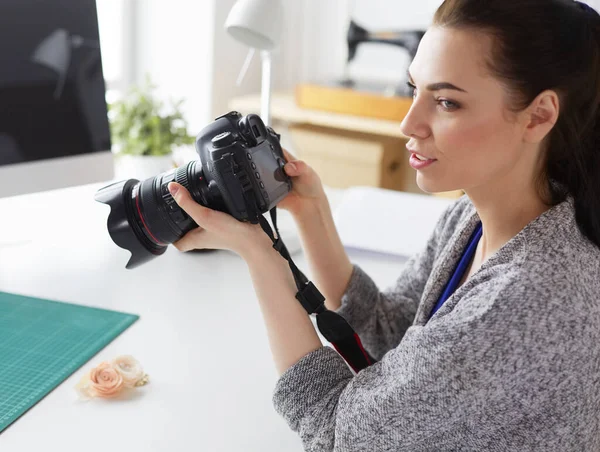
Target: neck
{"type": "Point", "coordinates": [505, 208]}
{"type": "Point", "coordinates": [503, 219]}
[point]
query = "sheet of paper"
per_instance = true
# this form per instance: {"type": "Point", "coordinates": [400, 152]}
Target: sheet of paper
{"type": "Point", "coordinates": [387, 221]}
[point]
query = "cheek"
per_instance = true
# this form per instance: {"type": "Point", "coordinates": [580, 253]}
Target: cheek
{"type": "Point", "coordinates": [465, 138]}
{"type": "Point", "coordinates": [475, 143]}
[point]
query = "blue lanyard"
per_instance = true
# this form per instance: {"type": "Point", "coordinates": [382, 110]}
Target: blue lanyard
{"type": "Point", "coordinates": [461, 268]}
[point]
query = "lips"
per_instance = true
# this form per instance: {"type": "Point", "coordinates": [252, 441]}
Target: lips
{"type": "Point", "coordinates": [412, 151]}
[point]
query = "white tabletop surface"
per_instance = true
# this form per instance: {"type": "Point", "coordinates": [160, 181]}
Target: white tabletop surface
{"type": "Point", "coordinates": [200, 335]}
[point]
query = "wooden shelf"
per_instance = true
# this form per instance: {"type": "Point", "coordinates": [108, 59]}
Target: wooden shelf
{"type": "Point", "coordinates": [360, 101]}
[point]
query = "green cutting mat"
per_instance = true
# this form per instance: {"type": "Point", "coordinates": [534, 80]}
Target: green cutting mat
{"type": "Point", "coordinates": [43, 342]}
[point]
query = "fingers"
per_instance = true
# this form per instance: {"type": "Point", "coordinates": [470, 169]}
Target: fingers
{"type": "Point", "coordinates": [295, 168]}
{"type": "Point", "coordinates": [200, 214]}
{"type": "Point", "coordinates": [191, 241]}
{"type": "Point", "coordinates": [291, 169]}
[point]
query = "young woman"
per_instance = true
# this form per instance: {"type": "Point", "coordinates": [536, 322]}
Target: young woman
{"type": "Point", "coordinates": [489, 340]}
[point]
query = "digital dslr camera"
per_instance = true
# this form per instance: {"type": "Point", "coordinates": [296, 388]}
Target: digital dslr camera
{"type": "Point", "coordinates": [239, 172]}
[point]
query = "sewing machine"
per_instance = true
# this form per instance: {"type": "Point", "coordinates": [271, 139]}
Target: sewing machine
{"type": "Point", "coordinates": [376, 99]}
{"type": "Point", "coordinates": [357, 35]}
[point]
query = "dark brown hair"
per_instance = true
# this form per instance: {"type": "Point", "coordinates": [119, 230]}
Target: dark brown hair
{"type": "Point", "coordinates": [543, 45]}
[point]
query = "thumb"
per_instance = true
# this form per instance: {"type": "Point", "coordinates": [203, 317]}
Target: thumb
{"type": "Point", "coordinates": [200, 214]}
{"type": "Point", "coordinates": [295, 168]}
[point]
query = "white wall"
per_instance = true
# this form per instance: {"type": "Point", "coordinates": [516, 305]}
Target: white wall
{"type": "Point", "coordinates": [182, 44]}
{"type": "Point", "coordinates": [175, 46]}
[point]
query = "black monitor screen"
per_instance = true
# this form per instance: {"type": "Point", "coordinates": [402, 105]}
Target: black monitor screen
{"type": "Point", "coordinates": [52, 93]}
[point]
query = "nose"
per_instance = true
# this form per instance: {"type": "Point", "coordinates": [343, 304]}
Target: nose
{"type": "Point", "coordinates": [414, 124]}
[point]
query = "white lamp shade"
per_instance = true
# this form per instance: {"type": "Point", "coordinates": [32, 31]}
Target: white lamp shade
{"type": "Point", "coordinates": [256, 23]}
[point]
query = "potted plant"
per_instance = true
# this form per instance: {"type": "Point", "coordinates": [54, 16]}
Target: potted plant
{"type": "Point", "coordinates": [145, 132]}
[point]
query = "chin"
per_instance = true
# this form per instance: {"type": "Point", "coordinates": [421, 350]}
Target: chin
{"type": "Point", "coordinates": [430, 185]}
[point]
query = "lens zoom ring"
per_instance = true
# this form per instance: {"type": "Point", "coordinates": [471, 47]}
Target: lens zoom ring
{"type": "Point", "coordinates": [181, 176]}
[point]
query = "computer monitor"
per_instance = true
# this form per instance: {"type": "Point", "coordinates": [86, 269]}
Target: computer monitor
{"type": "Point", "coordinates": [54, 129]}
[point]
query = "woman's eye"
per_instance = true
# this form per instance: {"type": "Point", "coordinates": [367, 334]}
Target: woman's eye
{"type": "Point", "coordinates": [448, 105]}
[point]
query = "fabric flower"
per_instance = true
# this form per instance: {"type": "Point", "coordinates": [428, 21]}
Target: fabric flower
{"type": "Point", "coordinates": [130, 370]}
{"type": "Point", "coordinates": [105, 381]}
{"type": "Point", "coordinates": [110, 378]}
{"type": "Point", "coordinates": [83, 387]}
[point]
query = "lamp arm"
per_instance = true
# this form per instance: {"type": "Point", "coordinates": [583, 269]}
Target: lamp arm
{"type": "Point", "coordinates": [245, 66]}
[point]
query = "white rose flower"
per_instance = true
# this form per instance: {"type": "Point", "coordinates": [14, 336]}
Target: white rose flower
{"type": "Point", "coordinates": [130, 369]}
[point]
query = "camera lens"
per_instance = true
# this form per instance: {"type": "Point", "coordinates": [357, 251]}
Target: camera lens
{"type": "Point", "coordinates": [145, 218]}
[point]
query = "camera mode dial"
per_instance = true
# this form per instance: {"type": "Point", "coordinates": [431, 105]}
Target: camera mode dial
{"type": "Point", "coordinates": [223, 140]}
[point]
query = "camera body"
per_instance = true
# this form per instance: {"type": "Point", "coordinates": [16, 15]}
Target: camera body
{"type": "Point", "coordinates": [239, 172]}
{"type": "Point", "coordinates": [241, 158]}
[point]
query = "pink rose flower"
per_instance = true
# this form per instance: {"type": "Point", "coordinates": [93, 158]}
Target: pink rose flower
{"type": "Point", "coordinates": [105, 381]}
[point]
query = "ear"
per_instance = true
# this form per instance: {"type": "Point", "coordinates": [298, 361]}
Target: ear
{"type": "Point", "coordinates": [540, 116]}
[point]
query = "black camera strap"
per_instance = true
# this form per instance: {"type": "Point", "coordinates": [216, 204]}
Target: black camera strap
{"type": "Point", "coordinates": [331, 325]}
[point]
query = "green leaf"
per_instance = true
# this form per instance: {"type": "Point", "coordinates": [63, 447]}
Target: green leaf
{"type": "Point", "coordinates": [141, 124]}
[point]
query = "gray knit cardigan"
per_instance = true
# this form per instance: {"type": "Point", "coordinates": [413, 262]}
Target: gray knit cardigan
{"type": "Point", "coordinates": [511, 361]}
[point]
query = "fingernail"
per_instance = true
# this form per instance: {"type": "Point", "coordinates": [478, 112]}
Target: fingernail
{"type": "Point", "coordinates": [292, 167]}
{"type": "Point", "coordinates": [173, 188]}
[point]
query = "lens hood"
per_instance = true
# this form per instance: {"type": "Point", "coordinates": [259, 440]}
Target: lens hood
{"type": "Point", "coordinates": [121, 223]}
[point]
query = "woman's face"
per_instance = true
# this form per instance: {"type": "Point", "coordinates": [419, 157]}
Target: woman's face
{"type": "Point", "coordinates": [475, 139]}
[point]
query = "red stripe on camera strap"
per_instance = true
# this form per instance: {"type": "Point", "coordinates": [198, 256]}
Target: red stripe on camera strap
{"type": "Point", "coordinates": [330, 324]}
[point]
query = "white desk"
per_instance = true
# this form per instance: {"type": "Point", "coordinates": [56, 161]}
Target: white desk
{"type": "Point", "coordinates": [200, 335]}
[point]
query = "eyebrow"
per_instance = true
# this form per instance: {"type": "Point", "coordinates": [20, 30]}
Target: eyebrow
{"type": "Point", "coordinates": [437, 86]}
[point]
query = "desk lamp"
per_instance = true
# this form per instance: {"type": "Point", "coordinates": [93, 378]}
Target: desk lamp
{"type": "Point", "coordinates": [257, 23]}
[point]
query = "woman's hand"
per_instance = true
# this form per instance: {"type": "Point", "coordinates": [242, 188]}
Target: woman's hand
{"type": "Point", "coordinates": [307, 188]}
{"type": "Point", "coordinates": [216, 230]}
